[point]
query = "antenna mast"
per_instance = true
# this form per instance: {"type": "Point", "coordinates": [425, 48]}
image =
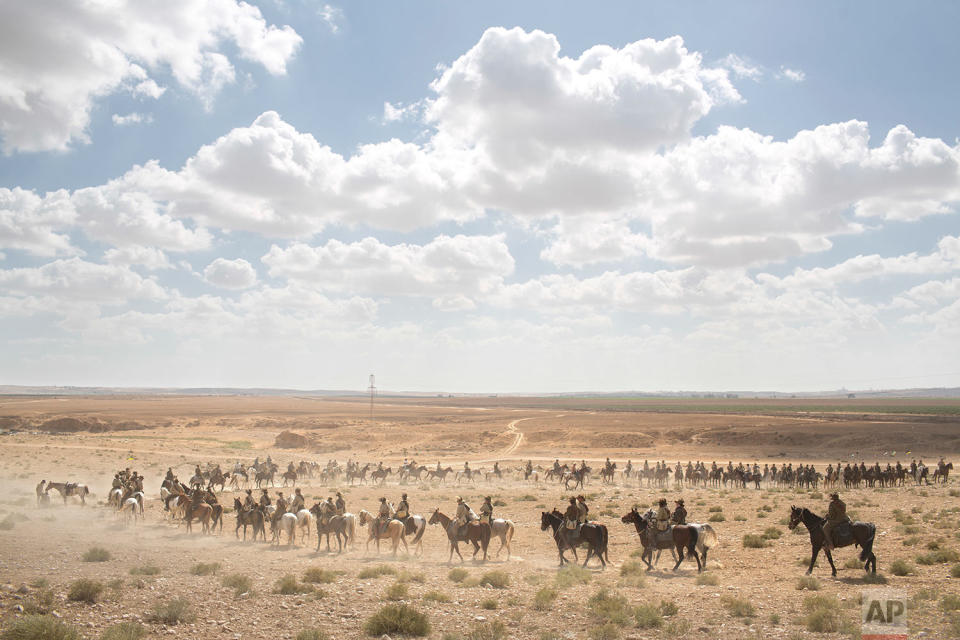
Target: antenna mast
{"type": "Point", "coordinates": [373, 392]}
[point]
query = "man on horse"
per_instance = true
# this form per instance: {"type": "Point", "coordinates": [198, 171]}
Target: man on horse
{"type": "Point", "coordinates": [384, 515]}
{"type": "Point", "coordinates": [464, 515]}
{"type": "Point", "coordinates": [582, 509]}
{"type": "Point", "coordinates": [281, 504]}
{"type": "Point", "coordinates": [680, 513]}
{"type": "Point", "coordinates": [836, 514]}
{"type": "Point", "coordinates": [298, 501]}
{"type": "Point", "coordinates": [486, 511]}
{"type": "Point", "coordinates": [528, 469]}
{"type": "Point", "coordinates": [663, 515]}
{"type": "Point", "coordinates": [248, 501]}
{"type": "Point", "coordinates": [340, 505]}
{"type": "Point", "coordinates": [403, 509]}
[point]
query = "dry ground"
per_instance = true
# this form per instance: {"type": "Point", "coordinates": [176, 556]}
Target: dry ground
{"type": "Point", "coordinates": [45, 546]}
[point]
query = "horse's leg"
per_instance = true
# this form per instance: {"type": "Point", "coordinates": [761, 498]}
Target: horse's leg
{"type": "Point", "coordinates": [679, 555]}
{"type": "Point", "coordinates": [813, 558]}
{"type": "Point", "coordinates": [833, 567]}
{"type": "Point", "coordinates": [646, 556]}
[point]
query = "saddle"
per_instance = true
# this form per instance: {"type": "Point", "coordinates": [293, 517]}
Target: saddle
{"type": "Point", "coordinates": [842, 534]}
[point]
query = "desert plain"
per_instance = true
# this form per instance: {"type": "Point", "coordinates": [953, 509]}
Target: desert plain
{"type": "Point", "coordinates": [238, 590]}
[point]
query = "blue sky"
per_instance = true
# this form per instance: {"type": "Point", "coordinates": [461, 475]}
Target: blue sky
{"type": "Point", "coordinates": [501, 197]}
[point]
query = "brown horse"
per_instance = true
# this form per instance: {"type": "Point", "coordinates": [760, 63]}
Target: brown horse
{"type": "Point", "coordinates": [380, 475]}
{"type": "Point", "coordinates": [440, 474]}
{"type": "Point", "coordinates": [860, 533]}
{"type": "Point", "coordinates": [202, 512]}
{"type": "Point", "coordinates": [594, 535]}
{"type": "Point", "coordinates": [476, 533]}
{"type": "Point", "coordinates": [683, 537]}
{"type": "Point", "coordinates": [393, 531]}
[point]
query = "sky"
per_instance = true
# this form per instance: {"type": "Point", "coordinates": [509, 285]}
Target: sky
{"type": "Point", "coordinates": [480, 197]}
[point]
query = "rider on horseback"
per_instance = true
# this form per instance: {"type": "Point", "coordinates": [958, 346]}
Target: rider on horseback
{"type": "Point", "coordinates": [264, 498]}
{"type": "Point", "coordinates": [384, 515]}
{"type": "Point", "coordinates": [403, 509]}
{"type": "Point", "coordinates": [464, 515]}
{"type": "Point", "coordinates": [680, 513]}
{"type": "Point", "coordinates": [281, 504]}
{"type": "Point", "coordinates": [663, 515]}
{"type": "Point", "coordinates": [836, 514]}
{"type": "Point", "coordinates": [582, 509]}
{"type": "Point", "coordinates": [486, 511]}
{"type": "Point", "coordinates": [298, 501]}
{"type": "Point", "coordinates": [248, 501]}
{"type": "Point", "coordinates": [340, 505]}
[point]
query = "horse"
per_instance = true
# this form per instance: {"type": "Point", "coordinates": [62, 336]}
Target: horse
{"type": "Point", "coordinates": [238, 479]}
{"type": "Point", "coordinates": [202, 512]}
{"type": "Point", "coordinates": [862, 534]}
{"type": "Point", "coordinates": [467, 473]}
{"type": "Point", "coordinates": [577, 478]}
{"type": "Point", "coordinates": [504, 530]}
{"type": "Point", "coordinates": [289, 477]}
{"type": "Point", "coordinates": [440, 474]}
{"type": "Point", "coordinates": [217, 478]}
{"type": "Point", "coordinates": [343, 527]}
{"type": "Point", "coordinates": [416, 525]}
{"type": "Point", "coordinates": [595, 536]}
{"type": "Point", "coordinates": [285, 523]}
{"type": "Point", "coordinates": [607, 473]}
{"type": "Point", "coordinates": [263, 475]}
{"type": "Point", "coordinates": [129, 508]}
{"type": "Point", "coordinates": [380, 475]}
{"type": "Point", "coordinates": [695, 537]}
{"type": "Point", "coordinates": [305, 524]}
{"type": "Point", "coordinates": [942, 473]}
{"type": "Point", "coordinates": [248, 517]}
{"type": "Point", "coordinates": [477, 534]}
{"type": "Point", "coordinates": [358, 473]}
{"type": "Point", "coordinates": [67, 489]}
{"type": "Point", "coordinates": [394, 531]}
{"type": "Point", "coordinates": [114, 497]}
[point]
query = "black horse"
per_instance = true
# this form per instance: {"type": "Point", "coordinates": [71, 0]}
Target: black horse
{"type": "Point", "coordinates": [593, 535]}
{"type": "Point", "coordinates": [249, 517]}
{"type": "Point", "coordinates": [860, 534]}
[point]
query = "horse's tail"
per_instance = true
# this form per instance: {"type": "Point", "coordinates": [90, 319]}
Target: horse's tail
{"type": "Point", "coordinates": [604, 542]}
{"type": "Point", "coordinates": [508, 534]}
{"type": "Point", "coordinates": [708, 537]}
{"type": "Point", "coordinates": [352, 529]}
{"type": "Point", "coordinates": [867, 545]}
{"type": "Point", "coordinates": [420, 531]}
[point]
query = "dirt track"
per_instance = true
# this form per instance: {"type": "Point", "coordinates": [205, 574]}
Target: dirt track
{"type": "Point", "coordinates": [197, 430]}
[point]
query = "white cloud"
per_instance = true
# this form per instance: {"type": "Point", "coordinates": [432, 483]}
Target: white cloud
{"type": "Point", "coordinates": [131, 118]}
{"type": "Point", "coordinates": [741, 67]}
{"type": "Point", "coordinates": [332, 16]}
{"type": "Point", "coordinates": [75, 280]}
{"type": "Point", "coordinates": [230, 274]}
{"type": "Point", "coordinates": [450, 268]}
{"type": "Point", "coordinates": [150, 258]}
{"type": "Point", "coordinates": [36, 224]}
{"type": "Point", "coordinates": [57, 60]}
{"type": "Point", "coordinates": [589, 240]}
{"type": "Point", "coordinates": [793, 75]}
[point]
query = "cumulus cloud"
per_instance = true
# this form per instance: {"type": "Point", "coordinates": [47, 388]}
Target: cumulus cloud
{"type": "Point", "coordinates": [131, 118]}
{"type": "Point", "coordinates": [36, 224]}
{"type": "Point", "coordinates": [77, 280]}
{"type": "Point", "coordinates": [450, 268]}
{"type": "Point", "coordinates": [57, 61]}
{"type": "Point", "coordinates": [150, 258]}
{"type": "Point", "coordinates": [230, 274]}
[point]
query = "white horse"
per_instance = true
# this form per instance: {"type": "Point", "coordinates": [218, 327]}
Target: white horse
{"type": "Point", "coordinates": [304, 523]}
{"type": "Point", "coordinates": [113, 499]}
{"type": "Point", "coordinates": [130, 507]}
{"type": "Point", "coordinates": [503, 529]}
{"type": "Point", "coordinates": [287, 523]}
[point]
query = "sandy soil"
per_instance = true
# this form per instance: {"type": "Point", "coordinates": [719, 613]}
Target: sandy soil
{"type": "Point", "coordinates": [46, 544]}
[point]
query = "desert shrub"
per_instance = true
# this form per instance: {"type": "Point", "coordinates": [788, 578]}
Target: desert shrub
{"type": "Point", "coordinates": [610, 607]}
{"type": "Point", "coordinates": [527, 498]}
{"type": "Point", "coordinates": [709, 579]}
{"type": "Point", "coordinates": [39, 628]}
{"type": "Point", "coordinates": [544, 598]}
{"type": "Point", "coordinates": [938, 556]}
{"type": "Point", "coordinates": [85, 590]}
{"type": "Point", "coordinates": [311, 634]}
{"type": "Point", "coordinates": [606, 631]}
{"type": "Point", "coordinates": [436, 596]}
{"type": "Point", "coordinates": [489, 604]}
{"type": "Point", "coordinates": [288, 586]}
{"type": "Point", "coordinates": [499, 503]}
{"type": "Point", "coordinates": [96, 554]}
{"type": "Point", "coordinates": [316, 575]}
{"type": "Point", "coordinates": [407, 576]}
{"type": "Point", "coordinates": [124, 631]}
{"type": "Point", "coordinates": [822, 614]}
{"type": "Point", "coordinates": [950, 602]}
{"type": "Point", "coordinates": [774, 619]}
{"type": "Point", "coordinates": [668, 608]}
{"type": "Point", "coordinates": [809, 583]}
{"type": "Point", "coordinates": [772, 533]}
{"type": "Point", "coordinates": [398, 591]}
{"type": "Point", "coordinates": [911, 541]}
{"type": "Point", "coordinates": [852, 563]}
{"type": "Point", "coordinates": [648, 616]}
{"type": "Point", "coordinates": [494, 630]}
{"type": "Point", "coordinates": [738, 607]}
{"type": "Point", "coordinates": [496, 579]}
{"type": "Point", "coordinates": [205, 568]}
{"type": "Point", "coordinates": [899, 567]}
{"type": "Point", "coordinates": [715, 509]}
{"type": "Point", "coordinates": [955, 571]}
{"type": "Point", "coordinates": [717, 517]}
{"type": "Point", "coordinates": [238, 582]}
{"type": "Point", "coordinates": [173, 612]}
{"type": "Point", "coordinates": [397, 619]}
{"type": "Point", "coordinates": [572, 575]}
{"type": "Point", "coordinates": [753, 541]}
{"type": "Point", "coordinates": [458, 574]}
{"type": "Point", "coordinates": [633, 568]}
{"type": "Point", "coordinates": [376, 572]}
{"type": "Point", "coordinates": [145, 570]}
{"type": "Point", "coordinates": [742, 518]}
{"type": "Point", "coordinates": [41, 602]}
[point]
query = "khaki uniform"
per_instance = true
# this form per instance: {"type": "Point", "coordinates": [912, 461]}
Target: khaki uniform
{"type": "Point", "coordinates": [663, 519]}
{"type": "Point", "coordinates": [582, 511]}
{"type": "Point", "coordinates": [297, 503]}
{"type": "Point", "coordinates": [403, 510]}
{"type": "Point", "coordinates": [341, 506]}
{"type": "Point", "coordinates": [836, 514]}
{"type": "Point", "coordinates": [486, 512]}
{"type": "Point", "coordinates": [572, 516]}
{"type": "Point", "coordinates": [464, 514]}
